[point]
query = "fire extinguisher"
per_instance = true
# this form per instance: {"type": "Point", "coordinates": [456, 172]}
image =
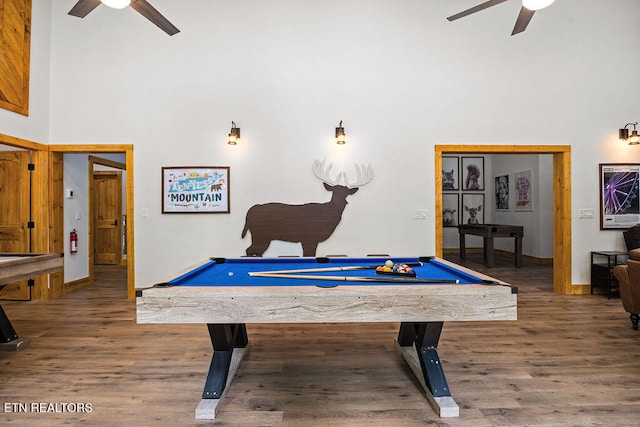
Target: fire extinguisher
{"type": "Point", "coordinates": [73, 240]}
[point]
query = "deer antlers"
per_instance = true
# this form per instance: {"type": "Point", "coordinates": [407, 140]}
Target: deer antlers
{"type": "Point", "coordinates": [364, 174]}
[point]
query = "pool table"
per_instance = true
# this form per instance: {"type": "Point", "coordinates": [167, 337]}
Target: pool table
{"type": "Point", "coordinates": [20, 266]}
{"type": "Point", "coordinates": [228, 293]}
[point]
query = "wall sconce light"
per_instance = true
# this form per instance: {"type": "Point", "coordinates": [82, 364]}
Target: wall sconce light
{"type": "Point", "coordinates": [234, 134]}
{"type": "Point", "coordinates": [623, 134]}
{"type": "Point", "coordinates": [340, 136]}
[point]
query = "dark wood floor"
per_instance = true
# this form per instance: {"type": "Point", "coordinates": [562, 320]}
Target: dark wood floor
{"type": "Point", "coordinates": [568, 360]}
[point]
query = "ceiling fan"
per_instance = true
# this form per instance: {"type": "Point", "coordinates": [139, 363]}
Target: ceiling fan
{"type": "Point", "coordinates": [529, 7]}
{"type": "Point", "coordinates": [83, 7]}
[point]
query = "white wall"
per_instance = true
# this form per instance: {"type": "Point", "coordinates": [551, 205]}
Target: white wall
{"type": "Point", "coordinates": [75, 178]}
{"type": "Point", "coordinates": [398, 73]}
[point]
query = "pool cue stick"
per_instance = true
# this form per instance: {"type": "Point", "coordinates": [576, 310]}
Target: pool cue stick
{"type": "Point", "coordinates": [322, 269]}
{"type": "Point", "coordinates": [383, 279]}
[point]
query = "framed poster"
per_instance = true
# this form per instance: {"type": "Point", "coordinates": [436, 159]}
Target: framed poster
{"type": "Point", "coordinates": [450, 173]}
{"type": "Point", "coordinates": [619, 206]}
{"type": "Point", "coordinates": [501, 189]}
{"type": "Point", "coordinates": [195, 189]}
{"type": "Point", "coordinates": [473, 173]}
{"type": "Point", "coordinates": [473, 208]}
{"type": "Point", "coordinates": [524, 191]}
{"type": "Point", "coordinates": [450, 209]}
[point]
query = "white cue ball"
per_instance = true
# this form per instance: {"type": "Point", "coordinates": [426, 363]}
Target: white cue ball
{"type": "Point", "coordinates": [231, 273]}
{"type": "Point", "coordinates": [388, 263]}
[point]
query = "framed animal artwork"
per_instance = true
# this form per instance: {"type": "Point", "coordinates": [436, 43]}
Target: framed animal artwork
{"type": "Point", "coordinates": [450, 173]}
{"type": "Point", "coordinates": [473, 208]}
{"type": "Point", "coordinates": [195, 189]}
{"type": "Point", "coordinates": [450, 210]}
{"type": "Point", "coordinates": [472, 173]}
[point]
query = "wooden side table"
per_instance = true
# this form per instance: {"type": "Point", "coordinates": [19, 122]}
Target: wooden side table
{"type": "Point", "coordinates": [602, 263]}
{"type": "Point", "coordinates": [488, 233]}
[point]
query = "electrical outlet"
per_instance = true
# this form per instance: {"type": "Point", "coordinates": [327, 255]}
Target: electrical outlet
{"type": "Point", "coordinates": [420, 214]}
{"type": "Point", "coordinates": [585, 213]}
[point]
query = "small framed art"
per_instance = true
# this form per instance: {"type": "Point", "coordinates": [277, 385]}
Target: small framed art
{"type": "Point", "coordinates": [450, 173]}
{"type": "Point", "coordinates": [202, 189]}
{"type": "Point", "coordinates": [450, 209]}
{"type": "Point", "coordinates": [472, 173]}
{"type": "Point", "coordinates": [473, 208]}
{"type": "Point", "coordinates": [501, 189]}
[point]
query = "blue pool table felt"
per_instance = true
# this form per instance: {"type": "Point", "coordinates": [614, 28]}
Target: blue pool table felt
{"type": "Point", "coordinates": [235, 272]}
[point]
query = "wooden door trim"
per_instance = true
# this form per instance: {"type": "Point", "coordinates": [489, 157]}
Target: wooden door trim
{"type": "Point", "coordinates": [106, 162]}
{"type": "Point", "coordinates": [127, 149]}
{"type": "Point", "coordinates": [561, 202]}
{"type": "Point", "coordinates": [24, 144]}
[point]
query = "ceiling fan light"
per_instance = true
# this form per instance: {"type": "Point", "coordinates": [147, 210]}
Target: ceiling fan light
{"type": "Point", "coordinates": [536, 4]}
{"type": "Point", "coordinates": [116, 4]}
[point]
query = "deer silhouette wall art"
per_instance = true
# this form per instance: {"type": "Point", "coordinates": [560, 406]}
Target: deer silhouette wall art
{"type": "Point", "coordinates": [308, 224]}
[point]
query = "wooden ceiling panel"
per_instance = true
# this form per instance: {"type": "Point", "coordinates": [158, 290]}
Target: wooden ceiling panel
{"type": "Point", "coordinates": [15, 41]}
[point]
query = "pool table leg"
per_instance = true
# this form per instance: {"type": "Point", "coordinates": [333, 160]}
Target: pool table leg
{"type": "Point", "coordinates": [9, 340]}
{"type": "Point", "coordinates": [229, 343]}
{"type": "Point", "coordinates": [418, 344]}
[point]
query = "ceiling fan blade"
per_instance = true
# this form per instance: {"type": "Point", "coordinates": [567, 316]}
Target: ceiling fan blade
{"type": "Point", "coordinates": [151, 13]}
{"type": "Point", "coordinates": [475, 9]}
{"type": "Point", "coordinates": [524, 17]}
{"type": "Point", "coordinates": [83, 7]}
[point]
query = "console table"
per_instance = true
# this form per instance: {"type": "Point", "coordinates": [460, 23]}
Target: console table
{"type": "Point", "coordinates": [488, 233]}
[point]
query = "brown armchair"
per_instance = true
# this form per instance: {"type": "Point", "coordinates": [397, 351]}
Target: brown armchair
{"type": "Point", "coordinates": [632, 237]}
{"type": "Point", "coordinates": [629, 282]}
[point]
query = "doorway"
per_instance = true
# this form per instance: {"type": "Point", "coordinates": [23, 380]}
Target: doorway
{"type": "Point", "coordinates": [126, 172]}
{"type": "Point", "coordinates": [107, 222]}
{"type": "Point", "coordinates": [561, 202]}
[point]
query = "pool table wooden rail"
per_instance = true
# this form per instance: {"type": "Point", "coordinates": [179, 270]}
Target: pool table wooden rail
{"type": "Point", "coordinates": [14, 267]}
{"type": "Point", "coordinates": [311, 304]}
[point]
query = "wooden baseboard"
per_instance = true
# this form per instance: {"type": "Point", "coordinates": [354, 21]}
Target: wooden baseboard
{"type": "Point", "coordinates": [526, 258]}
{"type": "Point", "coordinates": [533, 260]}
{"type": "Point", "coordinates": [77, 284]}
{"type": "Point", "coordinates": [581, 289]}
